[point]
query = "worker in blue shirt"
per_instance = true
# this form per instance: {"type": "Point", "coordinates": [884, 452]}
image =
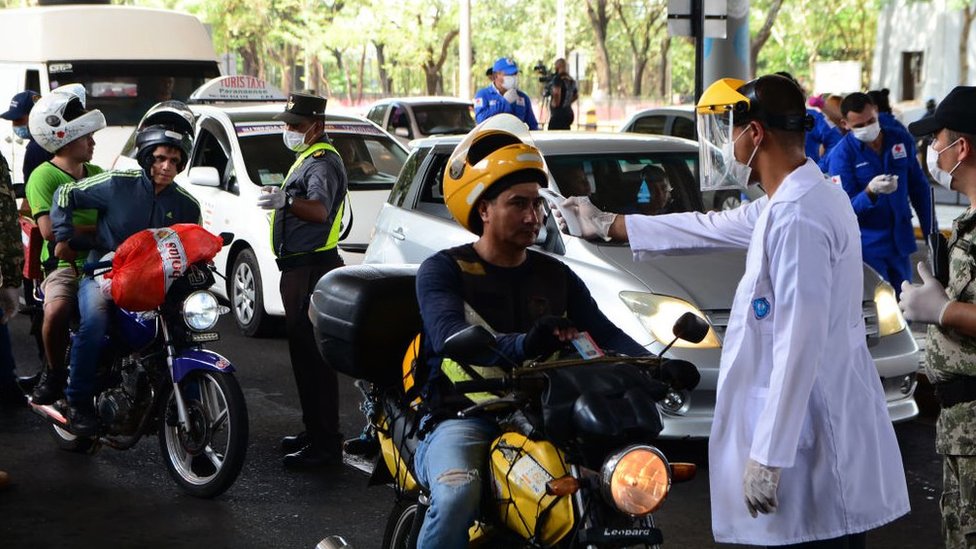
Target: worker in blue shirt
{"type": "Point", "coordinates": [877, 167]}
{"type": "Point", "coordinates": [503, 95]}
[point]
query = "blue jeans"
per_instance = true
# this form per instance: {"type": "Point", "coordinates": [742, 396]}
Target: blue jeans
{"type": "Point", "coordinates": [7, 364]}
{"type": "Point", "coordinates": [451, 462]}
{"type": "Point", "coordinates": [93, 309]}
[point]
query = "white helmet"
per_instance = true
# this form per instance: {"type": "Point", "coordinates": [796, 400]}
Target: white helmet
{"type": "Point", "coordinates": [59, 118]}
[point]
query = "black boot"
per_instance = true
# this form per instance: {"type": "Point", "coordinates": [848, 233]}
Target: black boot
{"type": "Point", "coordinates": [82, 420]}
{"type": "Point", "coordinates": [51, 387]}
{"type": "Point", "coordinates": [293, 443]}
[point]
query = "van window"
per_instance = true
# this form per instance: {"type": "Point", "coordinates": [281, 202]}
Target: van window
{"type": "Point", "coordinates": [407, 175]}
{"type": "Point", "coordinates": [32, 80]}
{"type": "Point", "coordinates": [125, 90]}
{"type": "Point", "coordinates": [653, 125]}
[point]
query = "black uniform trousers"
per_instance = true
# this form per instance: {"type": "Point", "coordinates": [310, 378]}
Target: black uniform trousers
{"type": "Point", "coordinates": [561, 118]}
{"type": "Point", "coordinates": [318, 385]}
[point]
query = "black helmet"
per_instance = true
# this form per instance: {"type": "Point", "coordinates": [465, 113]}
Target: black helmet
{"type": "Point", "coordinates": [151, 137]}
{"type": "Point", "coordinates": [174, 115]}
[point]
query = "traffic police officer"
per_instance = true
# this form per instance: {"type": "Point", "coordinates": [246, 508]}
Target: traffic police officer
{"type": "Point", "coordinates": [503, 95]}
{"type": "Point", "coordinates": [951, 313]}
{"type": "Point", "coordinates": [877, 167]}
{"type": "Point", "coordinates": [305, 229]}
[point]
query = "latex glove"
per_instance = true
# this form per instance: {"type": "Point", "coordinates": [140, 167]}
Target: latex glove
{"type": "Point", "coordinates": [760, 483]}
{"type": "Point", "coordinates": [593, 222]}
{"type": "Point", "coordinates": [9, 303]}
{"type": "Point", "coordinates": [548, 335]}
{"type": "Point", "coordinates": [511, 95]}
{"type": "Point", "coordinates": [924, 303]}
{"type": "Point", "coordinates": [883, 184]}
{"type": "Point", "coordinates": [273, 199]}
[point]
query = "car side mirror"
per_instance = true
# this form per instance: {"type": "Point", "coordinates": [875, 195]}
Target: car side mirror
{"type": "Point", "coordinates": [401, 131]}
{"type": "Point", "coordinates": [205, 176]}
{"type": "Point", "coordinates": [20, 189]}
{"type": "Point", "coordinates": [690, 327]}
{"type": "Point", "coordinates": [469, 345]}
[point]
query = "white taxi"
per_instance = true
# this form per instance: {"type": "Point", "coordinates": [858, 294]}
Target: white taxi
{"type": "Point", "coordinates": [237, 150]}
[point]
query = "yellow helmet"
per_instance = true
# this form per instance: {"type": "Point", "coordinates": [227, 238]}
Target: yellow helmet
{"type": "Point", "coordinates": [488, 159]}
{"type": "Point", "coordinates": [723, 95]}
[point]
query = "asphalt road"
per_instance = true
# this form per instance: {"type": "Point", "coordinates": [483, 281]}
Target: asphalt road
{"type": "Point", "coordinates": [126, 499]}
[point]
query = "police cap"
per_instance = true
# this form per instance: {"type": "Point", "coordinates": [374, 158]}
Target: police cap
{"type": "Point", "coordinates": [956, 112]}
{"type": "Point", "coordinates": [301, 107]}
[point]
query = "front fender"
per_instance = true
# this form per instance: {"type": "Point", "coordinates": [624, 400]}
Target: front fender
{"type": "Point", "coordinates": [191, 360]}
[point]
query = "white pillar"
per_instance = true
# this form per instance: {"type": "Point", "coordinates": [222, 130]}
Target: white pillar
{"type": "Point", "coordinates": [464, 47]}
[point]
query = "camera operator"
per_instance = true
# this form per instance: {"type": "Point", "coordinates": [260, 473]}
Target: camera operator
{"type": "Point", "coordinates": [563, 92]}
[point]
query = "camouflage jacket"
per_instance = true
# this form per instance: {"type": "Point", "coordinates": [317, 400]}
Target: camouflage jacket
{"type": "Point", "coordinates": [11, 246]}
{"type": "Point", "coordinates": [950, 353]}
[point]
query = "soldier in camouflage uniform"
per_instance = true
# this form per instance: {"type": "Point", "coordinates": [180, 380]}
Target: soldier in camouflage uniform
{"type": "Point", "coordinates": [950, 312]}
{"type": "Point", "coordinates": [11, 275]}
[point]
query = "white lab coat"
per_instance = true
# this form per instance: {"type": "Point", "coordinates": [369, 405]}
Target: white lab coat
{"type": "Point", "coordinates": [797, 388]}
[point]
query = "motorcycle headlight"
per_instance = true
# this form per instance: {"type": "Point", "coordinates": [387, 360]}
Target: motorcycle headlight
{"type": "Point", "coordinates": [890, 320]}
{"type": "Point", "coordinates": [636, 480]}
{"type": "Point", "coordinates": [200, 311]}
{"type": "Point", "coordinates": [657, 314]}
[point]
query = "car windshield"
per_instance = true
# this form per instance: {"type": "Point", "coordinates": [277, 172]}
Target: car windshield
{"type": "Point", "coordinates": [124, 91]}
{"type": "Point", "coordinates": [644, 183]}
{"type": "Point", "coordinates": [372, 160]}
{"type": "Point", "coordinates": [443, 119]}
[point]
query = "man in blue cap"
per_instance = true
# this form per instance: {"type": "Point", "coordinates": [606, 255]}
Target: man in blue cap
{"type": "Point", "coordinates": [503, 95]}
{"type": "Point", "coordinates": [20, 108]}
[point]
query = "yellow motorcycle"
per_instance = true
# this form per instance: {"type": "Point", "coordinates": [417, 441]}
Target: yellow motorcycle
{"type": "Point", "coordinates": [574, 465]}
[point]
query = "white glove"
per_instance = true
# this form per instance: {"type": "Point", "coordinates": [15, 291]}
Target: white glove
{"type": "Point", "coordinates": [883, 184]}
{"type": "Point", "coordinates": [926, 303]}
{"type": "Point", "coordinates": [511, 95]}
{"type": "Point", "coordinates": [9, 303]}
{"type": "Point", "coordinates": [273, 199]}
{"type": "Point", "coordinates": [593, 222]}
{"type": "Point", "coordinates": [760, 483]}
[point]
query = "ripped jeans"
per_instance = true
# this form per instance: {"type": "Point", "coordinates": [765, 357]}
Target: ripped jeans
{"type": "Point", "coordinates": [451, 461]}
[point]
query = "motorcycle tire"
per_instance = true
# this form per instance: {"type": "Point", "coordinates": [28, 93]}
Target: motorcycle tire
{"type": "Point", "coordinates": [206, 461]}
{"type": "Point", "coordinates": [402, 526]}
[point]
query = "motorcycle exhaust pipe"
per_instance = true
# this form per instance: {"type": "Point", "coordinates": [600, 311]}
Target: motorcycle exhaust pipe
{"type": "Point", "coordinates": [50, 413]}
{"type": "Point", "coordinates": [333, 542]}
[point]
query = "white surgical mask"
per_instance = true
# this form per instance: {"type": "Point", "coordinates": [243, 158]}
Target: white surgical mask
{"type": "Point", "coordinates": [295, 141]}
{"type": "Point", "coordinates": [510, 82]}
{"type": "Point", "coordinates": [942, 177]}
{"type": "Point", "coordinates": [868, 133]}
{"type": "Point", "coordinates": [737, 170]}
{"type": "Point", "coordinates": [22, 132]}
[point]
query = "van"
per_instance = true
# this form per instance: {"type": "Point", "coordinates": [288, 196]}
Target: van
{"type": "Point", "coordinates": [127, 58]}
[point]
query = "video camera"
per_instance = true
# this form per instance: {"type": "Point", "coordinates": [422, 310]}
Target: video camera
{"type": "Point", "coordinates": [546, 77]}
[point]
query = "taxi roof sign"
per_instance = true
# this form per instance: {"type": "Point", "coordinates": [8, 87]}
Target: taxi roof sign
{"type": "Point", "coordinates": [236, 88]}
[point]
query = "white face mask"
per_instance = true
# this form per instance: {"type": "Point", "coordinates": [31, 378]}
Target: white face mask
{"type": "Point", "coordinates": [868, 133]}
{"type": "Point", "coordinates": [510, 82]}
{"type": "Point", "coordinates": [295, 141]}
{"type": "Point", "coordinates": [942, 177]}
{"type": "Point", "coordinates": [740, 172]}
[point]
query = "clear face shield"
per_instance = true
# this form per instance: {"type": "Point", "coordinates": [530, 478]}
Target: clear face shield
{"type": "Point", "coordinates": [716, 152]}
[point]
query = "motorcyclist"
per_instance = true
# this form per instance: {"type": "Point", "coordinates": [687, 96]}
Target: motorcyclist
{"type": "Point", "coordinates": [535, 305]}
{"type": "Point", "coordinates": [127, 202]}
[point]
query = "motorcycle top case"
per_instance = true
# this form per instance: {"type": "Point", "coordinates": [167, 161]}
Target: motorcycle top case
{"type": "Point", "coordinates": [364, 317]}
{"type": "Point", "coordinates": [148, 262]}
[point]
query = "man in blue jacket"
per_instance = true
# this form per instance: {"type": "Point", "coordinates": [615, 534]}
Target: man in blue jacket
{"type": "Point", "coordinates": [127, 202]}
{"type": "Point", "coordinates": [503, 95]}
{"type": "Point", "coordinates": [877, 167]}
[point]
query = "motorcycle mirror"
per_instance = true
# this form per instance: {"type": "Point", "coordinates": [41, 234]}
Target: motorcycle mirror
{"type": "Point", "coordinates": [690, 327]}
{"type": "Point", "coordinates": [227, 238]}
{"type": "Point", "coordinates": [333, 542]}
{"type": "Point", "coordinates": [469, 345]}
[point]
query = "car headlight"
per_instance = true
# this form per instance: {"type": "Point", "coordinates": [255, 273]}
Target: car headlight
{"type": "Point", "coordinates": [201, 311]}
{"type": "Point", "coordinates": [636, 480]}
{"type": "Point", "coordinates": [657, 313]}
{"type": "Point", "coordinates": [890, 320]}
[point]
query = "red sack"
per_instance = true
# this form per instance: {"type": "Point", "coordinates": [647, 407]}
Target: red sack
{"type": "Point", "coordinates": [147, 263]}
{"type": "Point", "coordinates": [30, 236]}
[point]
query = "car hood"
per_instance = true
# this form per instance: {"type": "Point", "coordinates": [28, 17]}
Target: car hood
{"type": "Point", "coordinates": [706, 280]}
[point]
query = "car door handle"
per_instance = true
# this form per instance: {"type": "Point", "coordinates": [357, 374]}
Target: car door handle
{"type": "Point", "coordinates": [398, 234]}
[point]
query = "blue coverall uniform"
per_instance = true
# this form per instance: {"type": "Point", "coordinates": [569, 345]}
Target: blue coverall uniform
{"type": "Point", "coordinates": [489, 101]}
{"type": "Point", "coordinates": [821, 134]}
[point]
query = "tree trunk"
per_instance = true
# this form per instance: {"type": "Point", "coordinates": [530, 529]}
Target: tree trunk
{"type": "Point", "coordinates": [763, 35]}
{"type": "Point", "coordinates": [386, 82]}
{"type": "Point", "coordinates": [596, 10]}
{"type": "Point", "coordinates": [362, 70]}
{"type": "Point", "coordinates": [344, 68]}
{"type": "Point", "coordinates": [288, 69]}
{"type": "Point", "coordinates": [432, 67]}
{"type": "Point", "coordinates": [968, 14]}
{"type": "Point", "coordinates": [665, 69]}
{"type": "Point", "coordinates": [640, 63]}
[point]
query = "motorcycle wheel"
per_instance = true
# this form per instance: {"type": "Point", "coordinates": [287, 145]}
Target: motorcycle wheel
{"type": "Point", "coordinates": [400, 530]}
{"type": "Point", "coordinates": [205, 461]}
{"type": "Point", "coordinates": [72, 443]}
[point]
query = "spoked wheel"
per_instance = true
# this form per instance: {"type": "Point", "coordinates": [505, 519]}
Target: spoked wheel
{"type": "Point", "coordinates": [400, 530]}
{"type": "Point", "coordinates": [205, 459]}
{"type": "Point", "coordinates": [246, 297]}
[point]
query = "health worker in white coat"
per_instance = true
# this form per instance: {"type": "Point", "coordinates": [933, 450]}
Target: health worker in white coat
{"type": "Point", "coordinates": [802, 447]}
